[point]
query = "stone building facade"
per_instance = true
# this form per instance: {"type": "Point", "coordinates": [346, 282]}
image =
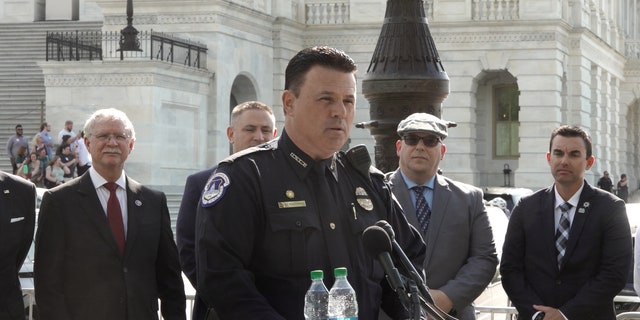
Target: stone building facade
{"type": "Point", "coordinates": [517, 69]}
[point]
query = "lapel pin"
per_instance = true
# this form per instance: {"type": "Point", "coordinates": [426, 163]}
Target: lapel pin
{"type": "Point", "coordinates": [138, 203]}
{"type": "Point", "coordinates": [6, 191]}
{"type": "Point", "coordinates": [581, 210]}
{"type": "Point", "coordinates": [586, 204]}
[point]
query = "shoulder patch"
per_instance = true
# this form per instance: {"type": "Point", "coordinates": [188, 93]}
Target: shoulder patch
{"type": "Point", "coordinates": [215, 189]}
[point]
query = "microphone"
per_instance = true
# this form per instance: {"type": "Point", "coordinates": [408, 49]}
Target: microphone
{"type": "Point", "coordinates": [377, 243]}
{"type": "Point", "coordinates": [404, 260]}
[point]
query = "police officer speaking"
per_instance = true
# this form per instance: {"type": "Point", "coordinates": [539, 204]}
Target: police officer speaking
{"type": "Point", "coordinates": [272, 213]}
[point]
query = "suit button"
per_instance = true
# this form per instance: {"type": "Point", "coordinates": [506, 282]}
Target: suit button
{"type": "Point", "coordinates": [125, 270]}
{"type": "Point", "coordinates": [558, 282]}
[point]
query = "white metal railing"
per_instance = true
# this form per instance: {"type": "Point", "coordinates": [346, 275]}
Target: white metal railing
{"type": "Point", "coordinates": [336, 12]}
{"type": "Point", "coordinates": [628, 316]}
{"type": "Point", "coordinates": [507, 313]}
{"type": "Point", "coordinates": [28, 295]}
{"type": "Point", "coordinates": [495, 10]}
{"type": "Point", "coordinates": [495, 313]}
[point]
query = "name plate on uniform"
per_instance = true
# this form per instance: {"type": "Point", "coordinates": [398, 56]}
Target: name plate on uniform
{"type": "Point", "coordinates": [292, 204]}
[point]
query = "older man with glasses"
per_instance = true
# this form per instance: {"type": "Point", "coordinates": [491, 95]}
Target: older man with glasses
{"type": "Point", "coordinates": [450, 215]}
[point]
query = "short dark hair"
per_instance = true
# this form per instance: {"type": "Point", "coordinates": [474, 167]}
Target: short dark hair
{"type": "Point", "coordinates": [302, 62]}
{"type": "Point", "coordinates": [42, 126]}
{"type": "Point", "coordinates": [18, 126]}
{"type": "Point", "coordinates": [572, 131]}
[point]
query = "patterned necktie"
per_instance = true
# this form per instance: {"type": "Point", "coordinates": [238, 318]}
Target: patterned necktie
{"type": "Point", "coordinates": [423, 212]}
{"type": "Point", "coordinates": [114, 215]}
{"type": "Point", "coordinates": [562, 234]}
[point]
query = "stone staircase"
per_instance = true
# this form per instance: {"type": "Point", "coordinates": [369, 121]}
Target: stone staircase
{"type": "Point", "coordinates": [22, 91]}
{"type": "Point", "coordinates": [173, 202]}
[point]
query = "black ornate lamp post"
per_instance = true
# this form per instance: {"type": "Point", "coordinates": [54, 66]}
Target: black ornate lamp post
{"type": "Point", "coordinates": [405, 76]}
{"type": "Point", "coordinates": [129, 35]}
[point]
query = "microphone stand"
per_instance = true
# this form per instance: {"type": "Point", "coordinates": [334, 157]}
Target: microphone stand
{"type": "Point", "coordinates": [426, 299]}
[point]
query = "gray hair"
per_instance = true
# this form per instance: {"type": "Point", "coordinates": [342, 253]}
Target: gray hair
{"type": "Point", "coordinates": [109, 114]}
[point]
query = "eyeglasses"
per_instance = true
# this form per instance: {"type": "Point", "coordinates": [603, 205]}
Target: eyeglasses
{"type": "Point", "coordinates": [429, 141]}
{"type": "Point", "coordinates": [104, 137]}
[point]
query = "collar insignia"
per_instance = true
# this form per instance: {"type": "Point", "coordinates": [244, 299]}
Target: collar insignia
{"type": "Point", "coordinates": [298, 159]}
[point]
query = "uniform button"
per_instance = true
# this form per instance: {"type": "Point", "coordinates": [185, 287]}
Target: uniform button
{"type": "Point", "coordinates": [298, 224]}
{"type": "Point", "coordinates": [332, 226]}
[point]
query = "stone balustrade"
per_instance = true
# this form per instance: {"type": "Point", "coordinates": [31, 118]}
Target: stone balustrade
{"type": "Point", "coordinates": [336, 12]}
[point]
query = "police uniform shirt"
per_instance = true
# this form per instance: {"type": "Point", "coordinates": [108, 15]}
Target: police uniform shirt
{"type": "Point", "coordinates": [265, 221]}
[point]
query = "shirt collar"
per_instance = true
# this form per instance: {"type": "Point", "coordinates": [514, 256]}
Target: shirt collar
{"type": "Point", "coordinates": [575, 198]}
{"type": "Point", "coordinates": [98, 180]}
{"type": "Point", "coordinates": [302, 163]}
{"type": "Point", "coordinates": [410, 184]}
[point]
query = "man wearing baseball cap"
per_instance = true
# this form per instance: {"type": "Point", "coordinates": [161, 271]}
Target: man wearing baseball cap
{"type": "Point", "coordinates": [461, 256]}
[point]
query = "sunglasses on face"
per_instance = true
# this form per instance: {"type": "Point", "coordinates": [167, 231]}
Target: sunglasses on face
{"type": "Point", "coordinates": [429, 141]}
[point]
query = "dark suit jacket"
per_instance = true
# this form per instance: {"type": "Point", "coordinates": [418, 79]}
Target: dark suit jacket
{"type": "Point", "coordinates": [596, 263]}
{"type": "Point", "coordinates": [17, 221]}
{"type": "Point", "coordinates": [461, 256]}
{"type": "Point", "coordinates": [79, 271]}
{"type": "Point", "coordinates": [186, 232]}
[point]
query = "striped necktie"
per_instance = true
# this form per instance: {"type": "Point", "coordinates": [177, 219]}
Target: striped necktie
{"type": "Point", "coordinates": [562, 233]}
{"type": "Point", "coordinates": [423, 212]}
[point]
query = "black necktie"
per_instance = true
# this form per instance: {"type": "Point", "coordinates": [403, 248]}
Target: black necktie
{"type": "Point", "coordinates": [333, 224]}
{"type": "Point", "coordinates": [423, 212]}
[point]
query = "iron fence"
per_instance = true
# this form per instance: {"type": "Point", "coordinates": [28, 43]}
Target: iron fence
{"type": "Point", "coordinates": [98, 45]}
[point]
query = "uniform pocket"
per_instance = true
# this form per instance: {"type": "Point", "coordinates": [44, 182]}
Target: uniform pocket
{"type": "Point", "coordinates": [292, 220]}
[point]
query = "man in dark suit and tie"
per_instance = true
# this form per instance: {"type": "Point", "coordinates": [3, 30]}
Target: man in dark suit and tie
{"type": "Point", "coordinates": [252, 123]}
{"type": "Point", "coordinates": [567, 251]}
{"type": "Point", "coordinates": [17, 221]}
{"type": "Point", "coordinates": [104, 245]}
{"type": "Point", "coordinates": [461, 256]}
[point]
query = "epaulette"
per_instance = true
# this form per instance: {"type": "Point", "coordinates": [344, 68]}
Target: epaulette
{"type": "Point", "coordinates": [271, 145]}
{"type": "Point", "coordinates": [376, 172]}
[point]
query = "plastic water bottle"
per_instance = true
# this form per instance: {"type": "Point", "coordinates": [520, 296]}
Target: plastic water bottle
{"type": "Point", "coordinates": [316, 299]}
{"type": "Point", "coordinates": [342, 298]}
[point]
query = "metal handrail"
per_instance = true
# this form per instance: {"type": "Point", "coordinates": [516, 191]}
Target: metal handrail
{"type": "Point", "coordinates": [628, 316]}
{"type": "Point", "coordinates": [98, 45]}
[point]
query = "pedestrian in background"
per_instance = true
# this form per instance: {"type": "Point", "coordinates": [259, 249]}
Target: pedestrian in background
{"type": "Point", "coordinates": [17, 148]}
{"type": "Point", "coordinates": [605, 182]}
{"type": "Point", "coordinates": [47, 140]}
{"type": "Point", "coordinates": [623, 188]}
